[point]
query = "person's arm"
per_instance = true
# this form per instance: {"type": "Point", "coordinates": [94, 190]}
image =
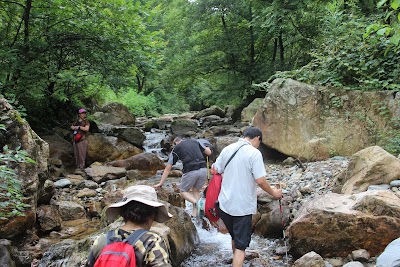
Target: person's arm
{"type": "Point", "coordinates": [164, 176]}
{"type": "Point", "coordinates": [84, 128]}
{"type": "Point", "coordinates": [263, 183]}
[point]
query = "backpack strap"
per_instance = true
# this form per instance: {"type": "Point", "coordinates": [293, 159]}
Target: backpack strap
{"type": "Point", "coordinates": [229, 160]}
{"type": "Point", "coordinates": [111, 237]}
{"type": "Point", "coordinates": [135, 236]}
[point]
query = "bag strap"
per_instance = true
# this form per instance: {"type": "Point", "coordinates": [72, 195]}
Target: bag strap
{"type": "Point", "coordinates": [229, 160]}
{"type": "Point", "coordinates": [111, 237]}
{"type": "Point", "coordinates": [135, 236]}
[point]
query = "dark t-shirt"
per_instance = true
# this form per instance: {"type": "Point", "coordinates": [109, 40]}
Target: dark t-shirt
{"type": "Point", "coordinates": [190, 152]}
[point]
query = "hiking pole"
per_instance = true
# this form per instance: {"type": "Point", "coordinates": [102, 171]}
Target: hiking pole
{"type": "Point", "coordinates": [283, 227]}
{"type": "Point", "coordinates": [208, 170]}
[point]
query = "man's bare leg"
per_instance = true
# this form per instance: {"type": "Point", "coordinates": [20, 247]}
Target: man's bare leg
{"type": "Point", "coordinates": [191, 198]}
{"type": "Point", "coordinates": [238, 257]}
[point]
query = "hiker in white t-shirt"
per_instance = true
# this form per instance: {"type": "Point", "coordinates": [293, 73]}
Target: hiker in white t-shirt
{"type": "Point", "coordinates": [238, 197]}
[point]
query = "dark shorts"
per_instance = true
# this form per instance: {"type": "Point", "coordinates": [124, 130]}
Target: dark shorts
{"type": "Point", "coordinates": [239, 228]}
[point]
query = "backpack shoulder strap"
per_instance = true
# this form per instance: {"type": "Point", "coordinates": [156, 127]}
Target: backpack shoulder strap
{"type": "Point", "coordinates": [135, 236]}
{"type": "Point", "coordinates": [111, 237]}
{"type": "Point", "coordinates": [229, 160]}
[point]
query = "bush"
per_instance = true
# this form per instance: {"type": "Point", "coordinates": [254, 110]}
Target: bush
{"type": "Point", "coordinates": [11, 197]}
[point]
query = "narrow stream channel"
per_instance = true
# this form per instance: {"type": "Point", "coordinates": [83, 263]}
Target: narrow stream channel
{"type": "Point", "coordinates": [214, 248]}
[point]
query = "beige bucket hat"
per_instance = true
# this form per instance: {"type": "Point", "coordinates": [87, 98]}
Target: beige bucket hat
{"type": "Point", "coordinates": [141, 193]}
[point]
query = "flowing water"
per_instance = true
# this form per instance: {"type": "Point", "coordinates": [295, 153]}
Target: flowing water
{"type": "Point", "coordinates": [214, 248]}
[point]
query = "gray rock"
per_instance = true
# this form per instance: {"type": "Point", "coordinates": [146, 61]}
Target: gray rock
{"type": "Point", "coordinates": [395, 183]}
{"type": "Point", "coordinates": [353, 264]}
{"type": "Point", "coordinates": [311, 259]}
{"type": "Point", "coordinates": [88, 184]}
{"type": "Point", "coordinates": [62, 183]}
{"type": "Point", "coordinates": [390, 256]}
{"type": "Point", "coordinates": [360, 255]}
{"type": "Point", "coordinates": [378, 187]}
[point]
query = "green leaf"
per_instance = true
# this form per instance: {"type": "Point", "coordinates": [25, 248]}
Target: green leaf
{"type": "Point", "coordinates": [381, 3]}
{"type": "Point", "coordinates": [395, 4]}
{"type": "Point", "coordinates": [395, 39]}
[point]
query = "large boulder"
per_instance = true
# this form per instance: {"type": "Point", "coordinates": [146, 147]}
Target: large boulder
{"type": "Point", "coordinates": [335, 225]}
{"type": "Point", "coordinates": [179, 231]}
{"type": "Point", "coordinates": [108, 148]}
{"type": "Point", "coordinates": [60, 149]}
{"type": "Point", "coordinates": [251, 110]}
{"type": "Point", "coordinates": [314, 123]}
{"type": "Point", "coordinates": [101, 174]}
{"type": "Point", "coordinates": [183, 126]}
{"type": "Point", "coordinates": [370, 166]}
{"type": "Point", "coordinates": [183, 236]}
{"type": "Point", "coordinates": [213, 110]}
{"type": "Point", "coordinates": [146, 162]}
{"type": "Point", "coordinates": [115, 114]}
{"type": "Point", "coordinates": [18, 133]}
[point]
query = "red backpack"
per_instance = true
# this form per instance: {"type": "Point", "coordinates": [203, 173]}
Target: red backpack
{"type": "Point", "coordinates": [119, 252]}
{"type": "Point", "coordinates": [213, 189]}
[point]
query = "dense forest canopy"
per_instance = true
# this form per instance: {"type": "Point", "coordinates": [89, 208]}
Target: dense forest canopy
{"type": "Point", "coordinates": [160, 56]}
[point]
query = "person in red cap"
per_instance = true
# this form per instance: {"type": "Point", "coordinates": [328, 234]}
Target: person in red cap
{"type": "Point", "coordinates": [80, 127]}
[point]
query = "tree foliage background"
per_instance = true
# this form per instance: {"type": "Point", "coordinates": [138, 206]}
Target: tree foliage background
{"type": "Point", "coordinates": [176, 55]}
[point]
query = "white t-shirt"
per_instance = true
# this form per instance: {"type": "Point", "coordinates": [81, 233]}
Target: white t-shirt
{"type": "Point", "coordinates": [238, 196]}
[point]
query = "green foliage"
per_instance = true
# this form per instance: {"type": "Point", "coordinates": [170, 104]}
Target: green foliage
{"type": "Point", "coordinates": [345, 59]}
{"type": "Point", "coordinates": [11, 198]}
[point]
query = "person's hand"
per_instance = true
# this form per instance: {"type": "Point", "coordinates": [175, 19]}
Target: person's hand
{"type": "Point", "coordinates": [157, 186]}
{"type": "Point", "coordinates": [277, 194]}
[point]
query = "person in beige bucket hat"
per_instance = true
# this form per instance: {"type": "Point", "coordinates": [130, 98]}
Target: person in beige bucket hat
{"type": "Point", "coordinates": [139, 208]}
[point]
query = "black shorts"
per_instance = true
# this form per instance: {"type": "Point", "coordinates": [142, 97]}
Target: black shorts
{"type": "Point", "coordinates": [239, 228]}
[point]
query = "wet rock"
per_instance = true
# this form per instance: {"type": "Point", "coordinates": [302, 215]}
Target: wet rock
{"type": "Point", "coordinates": [211, 120]}
{"type": "Point", "coordinates": [66, 253]}
{"type": "Point", "coordinates": [311, 259]}
{"type": "Point", "coordinates": [49, 218]}
{"type": "Point", "coordinates": [183, 237]}
{"type": "Point", "coordinates": [70, 210]}
{"type": "Point", "coordinates": [131, 135]}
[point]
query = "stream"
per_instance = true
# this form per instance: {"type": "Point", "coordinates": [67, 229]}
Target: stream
{"type": "Point", "coordinates": [214, 248]}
